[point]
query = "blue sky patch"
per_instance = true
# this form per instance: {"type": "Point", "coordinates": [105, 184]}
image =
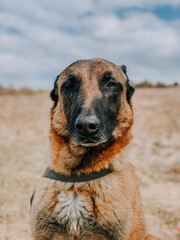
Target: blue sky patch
{"type": "Point", "coordinates": [69, 30]}
{"type": "Point", "coordinates": [167, 12]}
{"type": "Point", "coordinates": [87, 14]}
{"type": "Point", "coordinates": [12, 30]}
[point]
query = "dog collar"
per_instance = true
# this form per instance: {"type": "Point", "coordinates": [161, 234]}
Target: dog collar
{"type": "Point", "coordinates": [50, 173]}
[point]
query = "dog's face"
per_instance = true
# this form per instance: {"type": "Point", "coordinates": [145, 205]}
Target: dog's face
{"type": "Point", "coordinates": [92, 102]}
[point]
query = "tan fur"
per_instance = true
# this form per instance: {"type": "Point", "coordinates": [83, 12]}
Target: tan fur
{"type": "Point", "coordinates": [111, 203]}
{"type": "Point", "coordinates": [150, 237]}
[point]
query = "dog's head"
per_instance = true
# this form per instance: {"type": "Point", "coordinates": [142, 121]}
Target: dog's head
{"type": "Point", "coordinates": [92, 102]}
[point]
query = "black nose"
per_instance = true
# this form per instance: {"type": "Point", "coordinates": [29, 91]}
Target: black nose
{"type": "Point", "coordinates": [86, 125]}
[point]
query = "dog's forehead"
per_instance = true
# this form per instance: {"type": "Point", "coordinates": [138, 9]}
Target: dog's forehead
{"type": "Point", "coordinates": [92, 69]}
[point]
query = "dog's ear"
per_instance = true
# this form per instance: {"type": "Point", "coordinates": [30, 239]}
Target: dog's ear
{"type": "Point", "coordinates": [54, 91]}
{"type": "Point", "coordinates": [130, 89]}
{"type": "Point", "coordinates": [124, 69]}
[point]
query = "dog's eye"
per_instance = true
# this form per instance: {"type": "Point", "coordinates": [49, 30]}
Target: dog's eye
{"type": "Point", "coordinates": [111, 84]}
{"type": "Point", "coordinates": [68, 86]}
{"type": "Point", "coordinates": [71, 84]}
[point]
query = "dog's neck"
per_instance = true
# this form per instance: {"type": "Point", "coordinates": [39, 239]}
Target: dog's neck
{"type": "Point", "coordinates": [66, 157]}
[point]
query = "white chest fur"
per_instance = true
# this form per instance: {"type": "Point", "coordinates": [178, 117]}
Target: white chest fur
{"type": "Point", "coordinates": [72, 209]}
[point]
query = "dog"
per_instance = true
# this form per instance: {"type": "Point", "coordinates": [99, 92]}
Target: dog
{"type": "Point", "coordinates": [89, 191]}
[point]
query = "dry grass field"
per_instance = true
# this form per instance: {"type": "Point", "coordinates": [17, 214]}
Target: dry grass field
{"type": "Point", "coordinates": [155, 152]}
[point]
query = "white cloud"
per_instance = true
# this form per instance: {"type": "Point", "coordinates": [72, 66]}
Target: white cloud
{"type": "Point", "coordinates": [40, 38]}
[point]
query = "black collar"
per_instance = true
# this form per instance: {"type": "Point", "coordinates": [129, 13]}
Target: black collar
{"type": "Point", "coordinates": [49, 173]}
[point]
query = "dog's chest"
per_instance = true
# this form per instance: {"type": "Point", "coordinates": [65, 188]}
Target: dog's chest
{"type": "Point", "coordinates": [73, 210]}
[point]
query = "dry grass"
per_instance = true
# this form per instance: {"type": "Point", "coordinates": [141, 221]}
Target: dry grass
{"type": "Point", "coordinates": [24, 124]}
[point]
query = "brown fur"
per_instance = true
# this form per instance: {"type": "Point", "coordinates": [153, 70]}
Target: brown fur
{"type": "Point", "coordinates": [110, 206]}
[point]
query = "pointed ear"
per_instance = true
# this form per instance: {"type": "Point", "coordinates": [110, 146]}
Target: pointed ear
{"type": "Point", "coordinates": [130, 89]}
{"type": "Point", "coordinates": [54, 91]}
{"type": "Point", "coordinates": [124, 69]}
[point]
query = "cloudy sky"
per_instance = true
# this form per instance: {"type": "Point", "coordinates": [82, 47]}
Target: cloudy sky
{"type": "Point", "coordinates": [39, 38]}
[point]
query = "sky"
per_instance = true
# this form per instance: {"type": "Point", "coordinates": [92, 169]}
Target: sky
{"type": "Point", "coordinates": [39, 38]}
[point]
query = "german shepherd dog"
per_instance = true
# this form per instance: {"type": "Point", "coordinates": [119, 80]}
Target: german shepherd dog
{"type": "Point", "coordinates": [89, 191]}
